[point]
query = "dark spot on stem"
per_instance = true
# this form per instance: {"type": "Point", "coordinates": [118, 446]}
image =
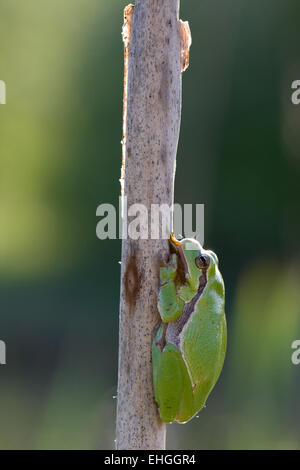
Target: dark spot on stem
{"type": "Point", "coordinates": [131, 282]}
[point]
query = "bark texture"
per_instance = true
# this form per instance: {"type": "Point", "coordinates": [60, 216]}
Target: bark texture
{"type": "Point", "coordinates": [154, 58]}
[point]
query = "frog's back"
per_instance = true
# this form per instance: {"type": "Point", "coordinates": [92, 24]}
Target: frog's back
{"type": "Point", "coordinates": [205, 343]}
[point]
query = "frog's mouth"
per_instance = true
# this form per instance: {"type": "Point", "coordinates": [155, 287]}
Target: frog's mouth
{"type": "Point", "coordinates": [174, 242]}
{"type": "Point", "coordinates": [176, 247]}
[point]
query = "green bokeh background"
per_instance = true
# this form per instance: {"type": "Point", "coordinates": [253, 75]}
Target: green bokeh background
{"type": "Point", "coordinates": [60, 157]}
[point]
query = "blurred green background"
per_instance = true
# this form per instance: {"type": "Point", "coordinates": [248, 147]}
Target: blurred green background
{"type": "Point", "coordinates": [60, 157]}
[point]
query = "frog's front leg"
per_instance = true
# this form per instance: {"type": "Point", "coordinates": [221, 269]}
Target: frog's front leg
{"type": "Point", "coordinates": [170, 305]}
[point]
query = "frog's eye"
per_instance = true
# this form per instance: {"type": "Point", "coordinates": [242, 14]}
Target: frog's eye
{"type": "Point", "coordinates": [202, 262]}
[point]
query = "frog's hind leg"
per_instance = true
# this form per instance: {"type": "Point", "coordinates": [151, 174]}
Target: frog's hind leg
{"type": "Point", "coordinates": [169, 383]}
{"type": "Point", "coordinates": [157, 347]}
{"type": "Point", "coordinates": [172, 385]}
{"type": "Point", "coordinates": [187, 406]}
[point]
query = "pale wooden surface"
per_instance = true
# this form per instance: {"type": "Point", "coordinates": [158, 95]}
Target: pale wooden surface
{"type": "Point", "coordinates": [150, 141]}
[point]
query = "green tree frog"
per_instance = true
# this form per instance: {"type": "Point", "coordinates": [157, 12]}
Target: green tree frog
{"type": "Point", "coordinates": [189, 347]}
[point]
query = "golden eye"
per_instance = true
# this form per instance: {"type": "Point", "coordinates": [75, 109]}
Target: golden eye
{"type": "Point", "coordinates": [202, 262]}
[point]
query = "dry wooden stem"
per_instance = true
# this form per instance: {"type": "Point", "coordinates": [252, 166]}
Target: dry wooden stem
{"type": "Point", "coordinates": [156, 51]}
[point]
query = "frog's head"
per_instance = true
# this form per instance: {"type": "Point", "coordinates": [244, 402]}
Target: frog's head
{"type": "Point", "coordinates": [196, 260]}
